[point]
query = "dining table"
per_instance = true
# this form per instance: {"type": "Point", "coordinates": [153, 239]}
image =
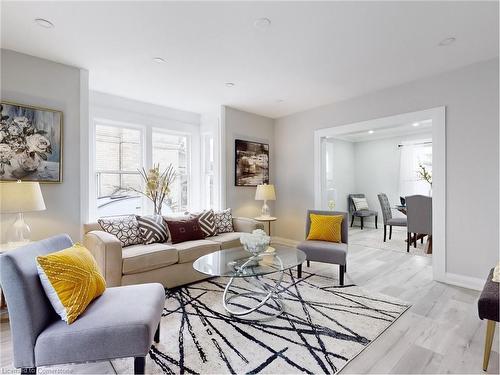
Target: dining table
{"type": "Point", "coordinates": [419, 236]}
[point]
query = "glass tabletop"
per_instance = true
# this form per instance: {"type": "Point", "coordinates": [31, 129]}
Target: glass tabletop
{"type": "Point", "coordinates": [239, 263]}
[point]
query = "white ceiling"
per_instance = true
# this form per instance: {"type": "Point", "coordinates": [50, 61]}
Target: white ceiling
{"type": "Point", "coordinates": [396, 130]}
{"type": "Point", "coordinates": [312, 54]}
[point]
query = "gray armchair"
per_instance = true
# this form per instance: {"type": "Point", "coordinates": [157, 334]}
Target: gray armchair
{"type": "Point", "coordinates": [360, 213]}
{"type": "Point", "coordinates": [324, 251]}
{"type": "Point", "coordinates": [120, 323]}
{"type": "Point", "coordinates": [387, 216]}
{"type": "Point", "coordinates": [419, 215]}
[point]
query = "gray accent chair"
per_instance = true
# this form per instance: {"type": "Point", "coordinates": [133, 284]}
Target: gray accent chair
{"type": "Point", "coordinates": [360, 213]}
{"type": "Point", "coordinates": [120, 323]}
{"type": "Point", "coordinates": [387, 216]}
{"type": "Point", "coordinates": [419, 216]}
{"type": "Point", "coordinates": [324, 251]}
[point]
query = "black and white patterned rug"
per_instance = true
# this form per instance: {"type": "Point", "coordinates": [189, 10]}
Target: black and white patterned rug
{"type": "Point", "coordinates": [324, 326]}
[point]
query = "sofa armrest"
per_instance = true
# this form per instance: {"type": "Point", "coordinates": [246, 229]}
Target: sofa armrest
{"type": "Point", "coordinates": [107, 250]}
{"type": "Point", "coordinates": [244, 224]}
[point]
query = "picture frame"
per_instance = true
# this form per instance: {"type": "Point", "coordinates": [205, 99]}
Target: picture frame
{"type": "Point", "coordinates": [31, 143]}
{"type": "Point", "coordinates": [251, 167]}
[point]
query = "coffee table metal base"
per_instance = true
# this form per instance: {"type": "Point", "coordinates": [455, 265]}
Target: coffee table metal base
{"type": "Point", "coordinates": [266, 295]}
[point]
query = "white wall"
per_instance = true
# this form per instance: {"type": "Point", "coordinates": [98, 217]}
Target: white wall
{"type": "Point", "coordinates": [250, 127]}
{"type": "Point", "coordinates": [471, 98]}
{"type": "Point", "coordinates": [341, 158]}
{"type": "Point", "coordinates": [38, 82]}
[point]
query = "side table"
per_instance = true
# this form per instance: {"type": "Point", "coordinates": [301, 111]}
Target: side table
{"type": "Point", "coordinates": [267, 219]}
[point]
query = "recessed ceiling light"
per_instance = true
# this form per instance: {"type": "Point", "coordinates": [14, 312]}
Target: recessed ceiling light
{"type": "Point", "coordinates": [44, 23]}
{"type": "Point", "coordinates": [229, 84]}
{"type": "Point", "coordinates": [159, 60]}
{"type": "Point", "coordinates": [370, 132]}
{"type": "Point", "coordinates": [447, 41]}
{"type": "Point", "coordinates": [262, 23]}
{"type": "Point", "coordinates": [415, 124]}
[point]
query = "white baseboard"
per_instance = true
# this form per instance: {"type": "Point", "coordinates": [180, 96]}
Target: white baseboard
{"type": "Point", "coordinates": [463, 281]}
{"type": "Point", "coordinates": [284, 241]}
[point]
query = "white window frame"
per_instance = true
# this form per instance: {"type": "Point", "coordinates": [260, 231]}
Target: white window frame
{"type": "Point", "coordinates": [189, 167]}
{"type": "Point", "coordinates": [92, 148]}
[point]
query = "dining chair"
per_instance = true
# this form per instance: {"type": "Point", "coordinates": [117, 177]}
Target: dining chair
{"type": "Point", "coordinates": [419, 216]}
{"type": "Point", "coordinates": [387, 216]}
{"type": "Point", "coordinates": [360, 213]}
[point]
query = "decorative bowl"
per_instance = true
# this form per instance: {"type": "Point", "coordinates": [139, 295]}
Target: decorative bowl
{"type": "Point", "coordinates": [256, 242]}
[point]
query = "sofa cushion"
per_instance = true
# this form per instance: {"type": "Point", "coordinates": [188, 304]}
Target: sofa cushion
{"type": "Point", "coordinates": [224, 221]}
{"type": "Point", "coordinates": [189, 251]}
{"type": "Point", "coordinates": [228, 240]}
{"type": "Point", "coordinates": [152, 228]}
{"type": "Point", "coordinates": [120, 323]}
{"type": "Point", "coordinates": [140, 258]}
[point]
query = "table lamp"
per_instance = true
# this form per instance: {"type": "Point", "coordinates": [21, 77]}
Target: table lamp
{"type": "Point", "coordinates": [265, 193]}
{"type": "Point", "coordinates": [19, 197]}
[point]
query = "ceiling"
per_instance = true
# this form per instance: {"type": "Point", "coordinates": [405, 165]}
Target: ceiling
{"type": "Point", "coordinates": [395, 130]}
{"type": "Point", "coordinates": [312, 54]}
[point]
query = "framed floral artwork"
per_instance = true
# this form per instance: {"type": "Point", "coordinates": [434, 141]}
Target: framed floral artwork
{"type": "Point", "coordinates": [30, 143]}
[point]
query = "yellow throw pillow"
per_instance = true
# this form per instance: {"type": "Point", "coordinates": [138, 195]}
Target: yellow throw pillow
{"type": "Point", "coordinates": [71, 280]}
{"type": "Point", "coordinates": [326, 228]}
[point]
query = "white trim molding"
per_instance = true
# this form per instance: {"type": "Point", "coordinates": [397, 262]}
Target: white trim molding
{"type": "Point", "coordinates": [438, 117]}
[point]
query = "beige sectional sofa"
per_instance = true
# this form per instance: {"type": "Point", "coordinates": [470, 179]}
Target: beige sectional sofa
{"type": "Point", "coordinates": [166, 263]}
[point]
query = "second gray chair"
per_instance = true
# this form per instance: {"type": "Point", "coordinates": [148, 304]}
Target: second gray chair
{"type": "Point", "coordinates": [120, 323]}
{"type": "Point", "coordinates": [324, 251]}
{"type": "Point", "coordinates": [387, 215]}
{"type": "Point", "coordinates": [419, 213]}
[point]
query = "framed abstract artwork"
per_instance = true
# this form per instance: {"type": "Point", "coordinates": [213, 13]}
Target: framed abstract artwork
{"type": "Point", "coordinates": [30, 143]}
{"type": "Point", "coordinates": [251, 163]}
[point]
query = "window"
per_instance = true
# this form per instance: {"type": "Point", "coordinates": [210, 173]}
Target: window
{"type": "Point", "coordinates": [208, 171]}
{"type": "Point", "coordinates": [414, 156]}
{"type": "Point", "coordinates": [118, 156]}
{"type": "Point", "coordinates": [172, 148]}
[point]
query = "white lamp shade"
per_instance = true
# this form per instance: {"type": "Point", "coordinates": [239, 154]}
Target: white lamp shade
{"type": "Point", "coordinates": [20, 196]}
{"type": "Point", "coordinates": [265, 193]}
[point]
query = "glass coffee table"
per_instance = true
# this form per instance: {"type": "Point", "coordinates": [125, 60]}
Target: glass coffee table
{"type": "Point", "coordinates": [238, 263]}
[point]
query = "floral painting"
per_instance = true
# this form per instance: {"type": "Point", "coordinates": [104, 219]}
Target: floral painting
{"type": "Point", "coordinates": [30, 143]}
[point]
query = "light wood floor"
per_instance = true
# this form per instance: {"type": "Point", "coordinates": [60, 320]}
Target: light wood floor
{"type": "Point", "coordinates": [440, 333]}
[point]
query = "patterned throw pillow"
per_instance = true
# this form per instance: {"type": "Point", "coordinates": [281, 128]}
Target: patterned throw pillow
{"type": "Point", "coordinates": [152, 229]}
{"type": "Point", "coordinates": [125, 228]}
{"type": "Point", "coordinates": [185, 230]}
{"type": "Point", "coordinates": [360, 203]}
{"type": "Point", "coordinates": [224, 221]}
{"type": "Point", "coordinates": [207, 223]}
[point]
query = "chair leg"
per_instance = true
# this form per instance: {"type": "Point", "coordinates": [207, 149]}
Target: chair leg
{"type": "Point", "coordinates": [385, 232]}
{"type": "Point", "coordinates": [361, 222]}
{"type": "Point", "coordinates": [139, 365]}
{"type": "Point", "coordinates": [415, 240]}
{"type": "Point", "coordinates": [345, 267]}
{"type": "Point", "coordinates": [408, 240]}
{"type": "Point", "coordinates": [376, 221]}
{"type": "Point", "coordinates": [422, 239]}
{"type": "Point", "coordinates": [299, 271]}
{"type": "Point", "coordinates": [308, 263]}
{"type": "Point", "coordinates": [352, 221]}
{"type": "Point", "coordinates": [490, 332]}
{"type": "Point", "coordinates": [157, 333]}
{"type": "Point", "coordinates": [390, 232]}
{"type": "Point", "coordinates": [32, 370]}
{"type": "Point", "coordinates": [341, 274]}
